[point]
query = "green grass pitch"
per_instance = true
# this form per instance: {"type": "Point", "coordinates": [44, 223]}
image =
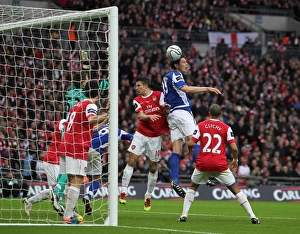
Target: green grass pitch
{"type": "Point", "coordinates": [211, 217]}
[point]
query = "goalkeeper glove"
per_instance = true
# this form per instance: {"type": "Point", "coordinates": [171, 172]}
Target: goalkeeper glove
{"type": "Point", "coordinates": [85, 60]}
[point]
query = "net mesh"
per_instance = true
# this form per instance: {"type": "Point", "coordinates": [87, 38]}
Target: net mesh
{"type": "Point", "coordinates": [40, 51]}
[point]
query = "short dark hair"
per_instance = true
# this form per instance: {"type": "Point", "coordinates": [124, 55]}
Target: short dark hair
{"type": "Point", "coordinates": [78, 78]}
{"type": "Point", "coordinates": [143, 79]}
{"type": "Point", "coordinates": [92, 89]}
{"type": "Point", "coordinates": [215, 110]}
{"type": "Point", "coordinates": [173, 62]}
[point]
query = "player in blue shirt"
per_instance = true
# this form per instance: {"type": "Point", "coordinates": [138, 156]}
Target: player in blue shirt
{"type": "Point", "coordinates": [98, 148]}
{"type": "Point", "coordinates": [180, 119]}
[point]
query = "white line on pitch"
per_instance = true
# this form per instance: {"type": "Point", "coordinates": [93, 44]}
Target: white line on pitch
{"type": "Point", "coordinates": [168, 230]}
{"type": "Point", "coordinates": [209, 215]}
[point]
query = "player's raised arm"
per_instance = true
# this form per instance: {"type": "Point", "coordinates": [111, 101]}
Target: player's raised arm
{"type": "Point", "coordinates": [100, 125]}
{"type": "Point", "coordinates": [195, 89]}
{"type": "Point", "coordinates": [98, 118]}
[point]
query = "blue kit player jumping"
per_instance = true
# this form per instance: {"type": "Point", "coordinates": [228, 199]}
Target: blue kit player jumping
{"type": "Point", "coordinates": [180, 119]}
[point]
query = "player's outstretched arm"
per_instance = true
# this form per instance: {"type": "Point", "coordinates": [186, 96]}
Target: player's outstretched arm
{"type": "Point", "coordinates": [125, 135]}
{"type": "Point", "coordinates": [195, 89]}
{"type": "Point", "coordinates": [98, 118]}
{"type": "Point", "coordinates": [100, 125]}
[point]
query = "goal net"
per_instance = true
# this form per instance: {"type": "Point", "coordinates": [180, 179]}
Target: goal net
{"type": "Point", "coordinates": [41, 51]}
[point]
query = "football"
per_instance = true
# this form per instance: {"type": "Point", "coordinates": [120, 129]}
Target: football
{"type": "Point", "coordinates": [80, 218]}
{"type": "Point", "coordinates": [174, 52]}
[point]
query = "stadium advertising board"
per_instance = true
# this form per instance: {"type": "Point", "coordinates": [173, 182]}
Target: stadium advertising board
{"type": "Point", "coordinates": [164, 191]}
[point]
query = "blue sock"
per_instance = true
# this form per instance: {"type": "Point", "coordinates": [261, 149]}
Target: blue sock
{"type": "Point", "coordinates": [95, 185]}
{"type": "Point", "coordinates": [196, 152]}
{"type": "Point", "coordinates": [174, 166]}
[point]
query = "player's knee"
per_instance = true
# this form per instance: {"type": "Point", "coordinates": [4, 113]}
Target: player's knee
{"type": "Point", "coordinates": [234, 189]}
{"type": "Point", "coordinates": [153, 167]}
{"type": "Point", "coordinates": [132, 160]}
{"type": "Point", "coordinates": [194, 186]}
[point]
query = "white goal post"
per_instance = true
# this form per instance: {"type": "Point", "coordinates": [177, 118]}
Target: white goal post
{"type": "Point", "coordinates": [48, 67]}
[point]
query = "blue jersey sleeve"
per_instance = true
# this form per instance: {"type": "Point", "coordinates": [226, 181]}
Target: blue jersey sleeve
{"type": "Point", "coordinates": [125, 136]}
{"type": "Point", "coordinates": [100, 138]}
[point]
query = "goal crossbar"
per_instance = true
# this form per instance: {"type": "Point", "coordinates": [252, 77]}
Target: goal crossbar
{"type": "Point", "coordinates": [65, 17]}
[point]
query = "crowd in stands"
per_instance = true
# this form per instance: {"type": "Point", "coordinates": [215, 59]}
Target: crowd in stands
{"type": "Point", "coordinates": [261, 100]}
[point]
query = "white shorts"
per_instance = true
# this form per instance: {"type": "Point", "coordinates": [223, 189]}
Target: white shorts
{"type": "Point", "coordinates": [150, 146]}
{"type": "Point", "coordinates": [52, 171]}
{"type": "Point", "coordinates": [94, 164]}
{"type": "Point", "coordinates": [225, 178]}
{"type": "Point", "coordinates": [182, 124]}
{"type": "Point", "coordinates": [74, 166]}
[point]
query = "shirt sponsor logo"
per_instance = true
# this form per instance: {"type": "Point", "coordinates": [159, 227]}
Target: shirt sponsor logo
{"type": "Point", "coordinates": [178, 78]}
{"type": "Point", "coordinates": [151, 110]}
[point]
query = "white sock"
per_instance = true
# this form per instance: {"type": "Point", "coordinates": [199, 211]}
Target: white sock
{"type": "Point", "coordinates": [71, 201]}
{"type": "Point", "coordinates": [127, 173]}
{"type": "Point", "coordinates": [42, 195]}
{"type": "Point", "coordinates": [66, 189]}
{"type": "Point", "coordinates": [152, 178]}
{"type": "Point", "coordinates": [188, 201]}
{"type": "Point", "coordinates": [241, 197]}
